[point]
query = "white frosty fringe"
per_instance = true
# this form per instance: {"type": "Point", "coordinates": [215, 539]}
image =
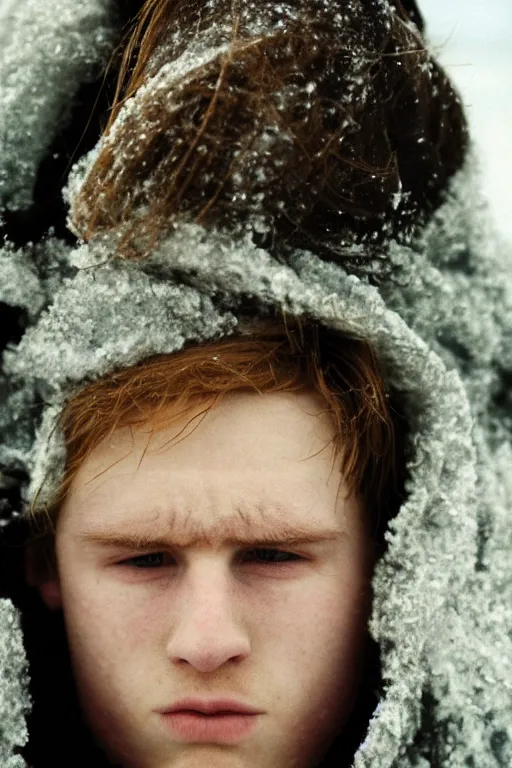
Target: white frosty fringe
{"type": "Point", "coordinates": [41, 66]}
{"type": "Point", "coordinates": [31, 274]}
{"type": "Point", "coordinates": [15, 700]}
{"type": "Point", "coordinates": [20, 285]}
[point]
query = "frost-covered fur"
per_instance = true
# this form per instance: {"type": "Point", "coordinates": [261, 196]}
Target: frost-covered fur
{"type": "Point", "coordinates": [41, 64]}
{"type": "Point", "coordinates": [442, 611]}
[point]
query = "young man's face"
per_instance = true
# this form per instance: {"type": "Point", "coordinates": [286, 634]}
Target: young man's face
{"type": "Point", "coordinates": [203, 616]}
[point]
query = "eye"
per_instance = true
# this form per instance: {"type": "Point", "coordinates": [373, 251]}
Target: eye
{"type": "Point", "coordinates": [142, 560]}
{"type": "Point", "coordinates": [268, 557]}
{"type": "Point", "coordinates": [276, 556]}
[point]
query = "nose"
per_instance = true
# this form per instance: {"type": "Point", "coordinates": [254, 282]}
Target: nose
{"type": "Point", "coordinates": [205, 632]}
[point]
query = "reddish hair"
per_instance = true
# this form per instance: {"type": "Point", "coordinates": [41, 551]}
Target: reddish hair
{"type": "Point", "coordinates": [276, 355]}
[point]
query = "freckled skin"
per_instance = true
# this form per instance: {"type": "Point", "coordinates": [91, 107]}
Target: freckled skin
{"type": "Point", "coordinates": [286, 638]}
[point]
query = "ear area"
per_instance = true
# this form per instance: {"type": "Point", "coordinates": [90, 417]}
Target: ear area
{"type": "Point", "coordinates": [39, 575]}
{"type": "Point", "coordinates": [51, 595]}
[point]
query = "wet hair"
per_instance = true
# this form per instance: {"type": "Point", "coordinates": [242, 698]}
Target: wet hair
{"type": "Point", "coordinates": [318, 125]}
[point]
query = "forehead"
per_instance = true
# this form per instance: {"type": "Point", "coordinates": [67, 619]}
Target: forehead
{"type": "Point", "coordinates": [239, 430]}
{"type": "Point", "coordinates": [257, 462]}
{"type": "Point", "coordinates": [280, 433]}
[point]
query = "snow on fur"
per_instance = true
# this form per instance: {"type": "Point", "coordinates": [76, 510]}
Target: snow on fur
{"type": "Point", "coordinates": [442, 592]}
{"type": "Point", "coordinates": [41, 66]}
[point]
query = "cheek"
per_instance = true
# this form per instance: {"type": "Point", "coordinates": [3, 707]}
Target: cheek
{"type": "Point", "coordinates": [111, 667]}
{"type": "Point", "coordinates": [103, 629]}
{"type": "Point", "coordinates": [318, 668]}
{"type": "Point", "coordinates": [318, 634]}
{"type": "Point", "coordinates": [101, 608]}
{"type": "Point", "coordinates": [335, 614]}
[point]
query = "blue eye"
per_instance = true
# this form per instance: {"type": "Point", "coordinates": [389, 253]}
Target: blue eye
{"type": "Point", "coordinates": [276, 558]}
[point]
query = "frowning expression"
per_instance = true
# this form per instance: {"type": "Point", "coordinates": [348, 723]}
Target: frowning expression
{"type": "Point", "coordinates": [225, 564]}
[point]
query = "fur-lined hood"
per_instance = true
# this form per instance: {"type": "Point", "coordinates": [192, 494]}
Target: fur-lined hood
{"type": "Point", "coordinates": [440, 320]}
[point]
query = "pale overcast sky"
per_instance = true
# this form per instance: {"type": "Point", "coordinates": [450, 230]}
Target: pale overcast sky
{"type": "Point", "coordinates": [474, 38]}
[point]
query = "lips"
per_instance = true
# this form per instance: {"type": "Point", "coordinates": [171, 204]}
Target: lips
{"type": "Point", "coordinates": [196, 727]}
{"type": "Point", "coordinates": [210, 714]}
{"type": "Point", "coordinates": [212, 707]}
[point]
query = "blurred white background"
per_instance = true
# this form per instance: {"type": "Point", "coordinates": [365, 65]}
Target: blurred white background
{"type": "Point", "coordinates": [473, 40]}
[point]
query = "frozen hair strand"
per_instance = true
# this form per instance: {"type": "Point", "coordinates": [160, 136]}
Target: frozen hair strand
{"type": "Point", "coordinates": [314, 125]}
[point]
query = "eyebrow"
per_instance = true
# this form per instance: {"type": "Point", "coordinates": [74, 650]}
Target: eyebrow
{"type": "Point", "coordinates": [279, 535]}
